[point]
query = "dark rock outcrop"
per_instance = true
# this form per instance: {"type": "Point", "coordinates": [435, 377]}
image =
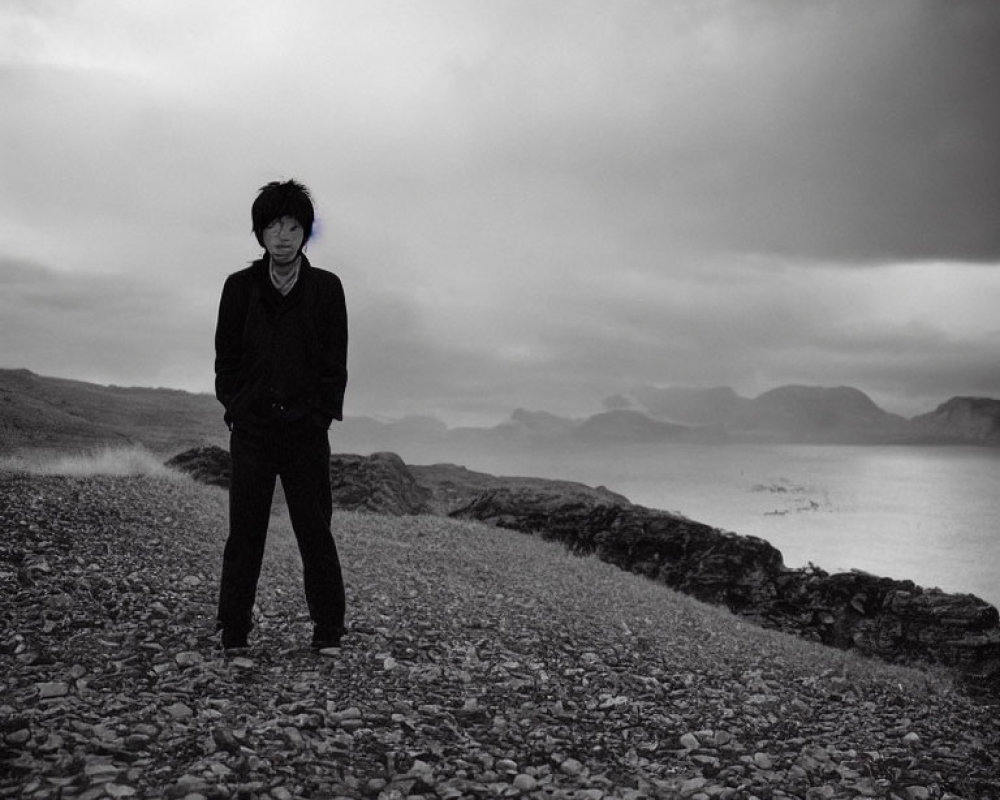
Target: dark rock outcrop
{"type": "Point", "coordinates": [693, 558]}
{"type": "Point", "coordinates": [210, 464]}
{"type": "Point", "coordinates": [453, 487]}
{"type": "Point", "coordinates": [893, 620]}
{"type": "Point", "coordinates": [379, 482]}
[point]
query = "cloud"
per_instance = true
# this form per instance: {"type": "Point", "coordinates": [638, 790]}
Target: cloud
{"type": "Point", "coordinates": [905, 333]}
{"type": "Point", "coordinates": [529, 204]}
{"type": "Point", "coordinates": [103, 328]}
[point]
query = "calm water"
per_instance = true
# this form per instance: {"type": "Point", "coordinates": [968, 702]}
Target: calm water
{"type": "Point", "coordinates": [930, 514]}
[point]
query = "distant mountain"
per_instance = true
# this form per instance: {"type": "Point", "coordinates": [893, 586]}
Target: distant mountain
{"type": "Point", "coordinates": [626, 427]}
{"type": "Point", "coordinates": [524, 423]}
{"type": "Point", "coordinates": [974, 419]}
{"type": "Point", "coordinates": [820, 414]}
{"type": "Point", "coordinates": [813, 413]}
{"type": "Point", "coordinates": [690, 406]}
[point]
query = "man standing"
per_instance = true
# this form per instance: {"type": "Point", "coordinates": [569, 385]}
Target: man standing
{"type": "Point", "coordinates": [280, 373]}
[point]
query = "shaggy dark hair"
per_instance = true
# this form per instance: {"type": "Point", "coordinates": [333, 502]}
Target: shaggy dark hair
{"type": "Point", "coordinates": [287, 199]}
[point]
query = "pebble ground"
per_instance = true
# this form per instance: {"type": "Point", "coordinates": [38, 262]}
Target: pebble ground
{"type": "Point", "coordinates": [480, 663]}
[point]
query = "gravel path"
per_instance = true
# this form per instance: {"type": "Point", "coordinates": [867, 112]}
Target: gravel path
{"type": "Point", "coordinates": [481, 663]}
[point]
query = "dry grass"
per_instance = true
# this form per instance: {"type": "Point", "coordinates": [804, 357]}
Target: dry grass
{"type": "Point", "coordinates": [106, 460]}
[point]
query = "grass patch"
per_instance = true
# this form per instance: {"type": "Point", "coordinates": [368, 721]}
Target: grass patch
{"type": "Point", "coordinates": [122, 461]}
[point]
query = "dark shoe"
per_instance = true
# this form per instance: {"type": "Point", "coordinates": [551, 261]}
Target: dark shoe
{"type": "Point", "coordinates": [323, 639]}
{"type": "Point", "coordinates": [234, 641]}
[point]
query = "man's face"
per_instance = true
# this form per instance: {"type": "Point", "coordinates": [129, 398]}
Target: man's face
{"type": "Point", "coordinates": [283, 239]}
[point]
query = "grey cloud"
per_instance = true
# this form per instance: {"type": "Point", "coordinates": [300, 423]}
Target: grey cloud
{"type": "Point", "coordinates": [540, 204]}
{"type": "Point", "coordinates": [830, 129]}
{"type": "Point", "coordinates": [108, 328]}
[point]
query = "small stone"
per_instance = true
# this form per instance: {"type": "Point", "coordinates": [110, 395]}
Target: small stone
{"type": "Point", "coordinates": [525, 783]}
{"type": "Point", "coordinates": [343, 740]}
{"type": "Point", "coordinates": [506, 766]}
{"type": "Point", "coordinates": [17, 738]}
{"type": "Point", "coordinates": [420, 767]}
{"type": "Point", "coordinates": [159, 610]}
{"type": "Point", "coordinates": [763, 760]}
{"type": "Point", "coordinates": [145, 729]}
{"type": "Point", "coordinates": [571, 766]}
{"type": "Point", "coordinates": [911, 739]}
{"type": "Point", "coordinates": [221, 770]}
{"type": "Point", "coordinates": [179, 711]}
{"type": "Point", "coordinates": [225, 740]}
{"type": "Point", "coordinates": [188, 658]}
{"type": "Point", "coordinates": [52, 689]}
{"type": "Point", "coordinates": [692, 785]}
{"type": "Point", "coordinates": [93, 793]}
{"type": "Point", "coordinates": [242, 662]}
{"type": "Point", "coordinates": [52, 744]}
{"type": "Point", "coordinates": [917, 793]}
{"type": "Point", "coordinates": [119, 790]}
{"type": "Point", "coordinates": [104, 733]}
{"type": "Point", "coordinates": [100, 771]}
{"type": "Point", "coordinates": [281, 793]}
{"type": "Point", "coordinates": [690, 742]}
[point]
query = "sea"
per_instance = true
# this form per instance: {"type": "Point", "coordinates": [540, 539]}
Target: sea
{"type": "Point", "coordinates": [927, 514]}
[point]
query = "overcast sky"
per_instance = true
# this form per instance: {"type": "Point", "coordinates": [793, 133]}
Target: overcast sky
{"type": "Point", "coordinates": [531, 204]}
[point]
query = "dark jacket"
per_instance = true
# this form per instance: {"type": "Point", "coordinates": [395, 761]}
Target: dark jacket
{"type": "Point", "coordinates": [281, 358]}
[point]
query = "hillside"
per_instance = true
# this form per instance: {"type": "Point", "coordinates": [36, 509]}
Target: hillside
{"type": "Point", "coordinates": [480, 663]}
{"type": "Point", "coordinates": [44, 412]}
{"type": "Point", "coordinates": [963, 419]}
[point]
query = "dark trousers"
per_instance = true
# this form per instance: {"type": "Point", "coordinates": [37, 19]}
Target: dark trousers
{"type": "Point", "coordinates": [300, 455]}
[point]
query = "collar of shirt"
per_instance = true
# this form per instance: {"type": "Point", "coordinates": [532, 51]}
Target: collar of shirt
{"type": "Point", "coordinates": [285, 285]}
